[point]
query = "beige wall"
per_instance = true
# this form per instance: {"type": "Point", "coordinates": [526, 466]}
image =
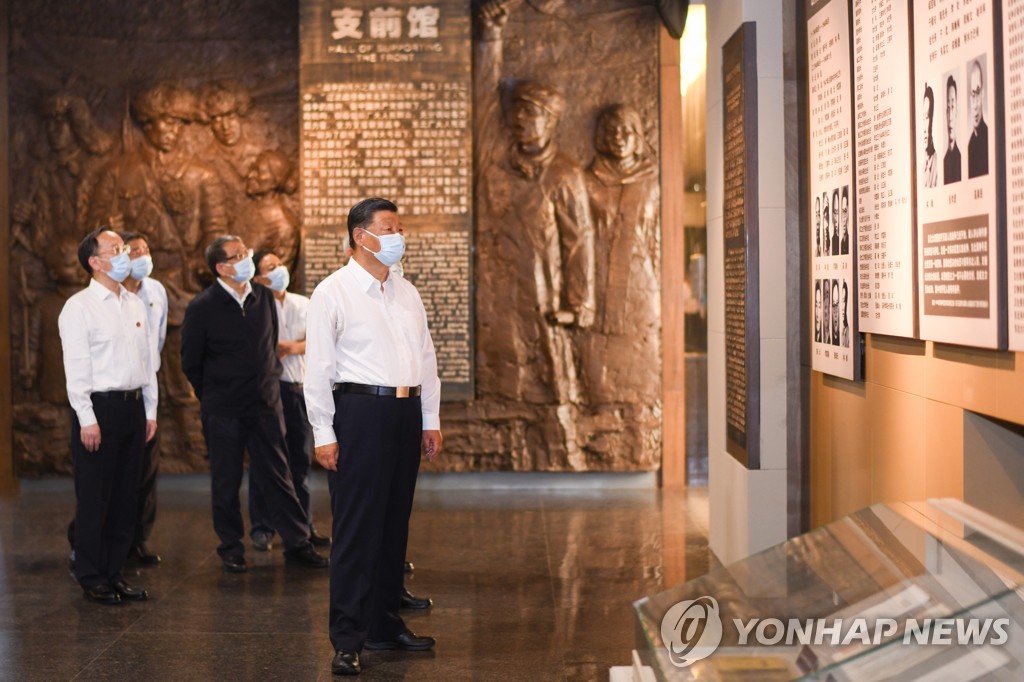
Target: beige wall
{"type": "Point", "coordinates": [899, 435]}
{"type": "Point", "coordinates": [749, 509]}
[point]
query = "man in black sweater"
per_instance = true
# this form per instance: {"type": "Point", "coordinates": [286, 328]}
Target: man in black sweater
{"type": "Point", "coordinates": [228, 353]}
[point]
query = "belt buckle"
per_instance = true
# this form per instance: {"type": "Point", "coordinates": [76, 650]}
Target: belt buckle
{"type": "Point", "coordinates": [402, 392]}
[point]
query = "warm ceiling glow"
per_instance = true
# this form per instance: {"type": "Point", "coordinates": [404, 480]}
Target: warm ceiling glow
{"type": "Point", "coordinates": [693, 47]}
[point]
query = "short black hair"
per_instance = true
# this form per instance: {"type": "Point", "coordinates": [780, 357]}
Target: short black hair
{"type": "Point", "coordinates": [129, 236]}
{"type": "Point", "coordinates": [362, 214]}
{"type": "Point", "coordinates": [87, 247]}
{"type": "Point", "coordinates": [258, 256]}
{"type": "Point", "coordinates": [215, 252]}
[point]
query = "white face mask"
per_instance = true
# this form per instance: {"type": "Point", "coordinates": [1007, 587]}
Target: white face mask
{"type": "Point", "coordinates": [120, 267]}
{"type": "Point", "coordinates": [279, 278]}
{"type": "Point", "coordinates": [392, 247]}
{"type": "Point", "coordinates": [142, 267]}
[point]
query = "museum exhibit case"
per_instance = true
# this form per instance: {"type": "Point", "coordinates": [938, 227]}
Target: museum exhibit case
{"type": "Point", "coordinates": [909, 591]}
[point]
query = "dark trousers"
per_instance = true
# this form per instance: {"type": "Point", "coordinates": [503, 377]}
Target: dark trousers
{"type": "Point", "coordinates": [106, 484]}
{"type": "Point", "coordinates": [145, 515]}
{"type": "Point", "coordinates": [299, 440]}
{"type": "Point", "coordinates": [227, 438]}
{"type": "Point", "coordinates": [371, 499]}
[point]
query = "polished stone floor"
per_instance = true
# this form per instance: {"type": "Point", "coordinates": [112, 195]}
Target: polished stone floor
{"type": "Point", "coordinates": [528, 584]}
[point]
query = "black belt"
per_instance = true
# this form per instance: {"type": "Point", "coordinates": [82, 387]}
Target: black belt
{"type": "Point", "coordinates": [366, 389]}
{"type": "Point", "coordinates": [131, 394]}
{"type": "Point", "coordinates": [294, 387]}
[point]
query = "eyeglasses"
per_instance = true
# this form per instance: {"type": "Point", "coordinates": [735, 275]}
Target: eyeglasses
{"type": "Point", "coordinates": [116, 251]}
{"type": "Point", "coordinates": [238, 257]}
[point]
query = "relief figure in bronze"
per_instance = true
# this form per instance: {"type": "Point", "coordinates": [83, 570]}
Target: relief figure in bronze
{"type": "Point", "coordinates": [267, 222]}
{"type": "Point", "coordinates": [224, 106]}
{"type": "Point", "coordinates": [59, 180]}
{"type": "Point", "coordinates": [622, 351]}
{"type": "Point", "coordinates": [535, 249]}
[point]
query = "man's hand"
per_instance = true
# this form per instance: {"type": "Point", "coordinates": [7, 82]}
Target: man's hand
{"type": "Point", "coordinates": [91, 437]}
{"type": "Point", "coordinates": [150, 429]}
{"type": "Point", "coordinates": [432, 444]}
{"type": "Point", "coordinates": [286, 348]}
{"type": "Point", "coordinates": [327, 455]}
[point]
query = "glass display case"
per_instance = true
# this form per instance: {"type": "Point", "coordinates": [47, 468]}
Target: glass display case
{"type": "Point", "coordinates": [909, 591]}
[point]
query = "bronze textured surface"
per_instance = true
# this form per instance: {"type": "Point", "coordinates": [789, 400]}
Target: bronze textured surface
{"type": "Point", "coordinates": [568, 354]}
{"type": "Point", "coordinates": [177, 120]}
{"type": "Point", "coordinates": [180, 120]}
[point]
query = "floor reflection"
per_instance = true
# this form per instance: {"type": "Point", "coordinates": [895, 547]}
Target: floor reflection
{"type": "Point", "coordinates": [527, 585]}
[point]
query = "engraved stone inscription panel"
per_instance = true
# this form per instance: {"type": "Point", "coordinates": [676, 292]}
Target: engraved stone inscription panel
{"type": "Point", "coordinates": [742, 369]}
{"type": "Point", "coordinates": [386, 112]}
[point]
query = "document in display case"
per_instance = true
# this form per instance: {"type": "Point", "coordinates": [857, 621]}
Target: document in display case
{"type": "Point", "coordinates": [908, 591]}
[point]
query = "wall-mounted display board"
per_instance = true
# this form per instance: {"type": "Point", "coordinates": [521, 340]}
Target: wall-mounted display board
{"type": "Point", "coordinates": [386, 111]}
{"type": "Point", "coordinates": [959, 244]}
{"type": "Point", "coordinates": [1013, 92]}
{"type": "Point", "coordinates": [836, 341]}
{"type": "Point", "coordinates": [885, 152]}
{"type": "Point", "coordinates": [740, 249]}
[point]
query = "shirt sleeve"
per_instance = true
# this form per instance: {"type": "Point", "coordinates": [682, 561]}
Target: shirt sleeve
{"type": "Point", "coordinates": [321, 323]}
{"type": "Point", "coordinates": [151, 394]}
{"type": "Point", "coordinates": [162, 331]}
{"type": "Point", "coordinates": [430, 400]}
{"type": "Point", "coordinates": [74, 338]}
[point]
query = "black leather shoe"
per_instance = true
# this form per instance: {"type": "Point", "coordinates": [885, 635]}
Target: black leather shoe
{"type": "Point", "coordinates": [412, 602]}
{"type": "Point", "coordinates": [129, 593]}
{"type": "Point", "coordinates": [408, 568]}
{"type": "Point", "coordinates": [261, 540]}
{"type": "Point", "coordinates": [318, 540]}
{"type": "Point", "coordinates": [235, 564]}
{"type": "Point", "coordinates": [102, 594]}
{"type": "Point", "coordinates": [140, 554]}
{"type": "Point", "coordinates": [407, 641]}
{"type": "Point", "coordinates": [346, 663]}
{"type": "Point", "coordinates": [306, 556]}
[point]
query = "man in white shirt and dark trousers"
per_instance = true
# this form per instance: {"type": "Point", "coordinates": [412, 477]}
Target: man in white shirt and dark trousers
{"type": "Point", "coordinates": [111, 381]}
{"type": "Point", "coordinates": [373, 397]}
{"type": "Point", "coordinates": [229, 354]}
{"type": "Point", "coordinates": [154, 297]}
{"type": "Point", "coordinates": [291, 350]}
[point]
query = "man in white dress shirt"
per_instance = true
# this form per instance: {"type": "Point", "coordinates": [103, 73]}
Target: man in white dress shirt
{"type": "Point", "coordinates": [154, 297]}
{"type": "Point", "coordinates": [111, 381]}
{"type": "Point", "coordinates": [373, 398]}
{"type": "Point", "coordinates": [291, 350]}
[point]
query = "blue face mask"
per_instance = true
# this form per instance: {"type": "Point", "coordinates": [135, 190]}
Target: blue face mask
{"type": "Point", "coordinates": [142, 267]}
{"type": "Point", "coordinates": [120, 267]}
{"type": "Point", "coordinates": [244, 270]}
{"type": "Point", "coordinates": [392, 247]}
{"type": "Point", "coordinates": [279, 278]}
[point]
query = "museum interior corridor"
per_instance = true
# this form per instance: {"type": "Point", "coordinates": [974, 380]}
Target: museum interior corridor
{"type": "Point", "coordinates": [528, 584]}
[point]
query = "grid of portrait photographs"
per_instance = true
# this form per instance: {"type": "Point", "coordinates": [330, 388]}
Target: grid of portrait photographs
{"type": "Point", "coordinates": [832, 312]}
{"type": "Point", "coordinates": [832, 223]}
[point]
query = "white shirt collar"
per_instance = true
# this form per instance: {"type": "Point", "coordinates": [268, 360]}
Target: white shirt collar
{"type": "Point", "coordinates": [367, 282]}
{"type": "Point", "coordinates": [101, 292]}
{"type": "Point", "coordinates": [245, 291]}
